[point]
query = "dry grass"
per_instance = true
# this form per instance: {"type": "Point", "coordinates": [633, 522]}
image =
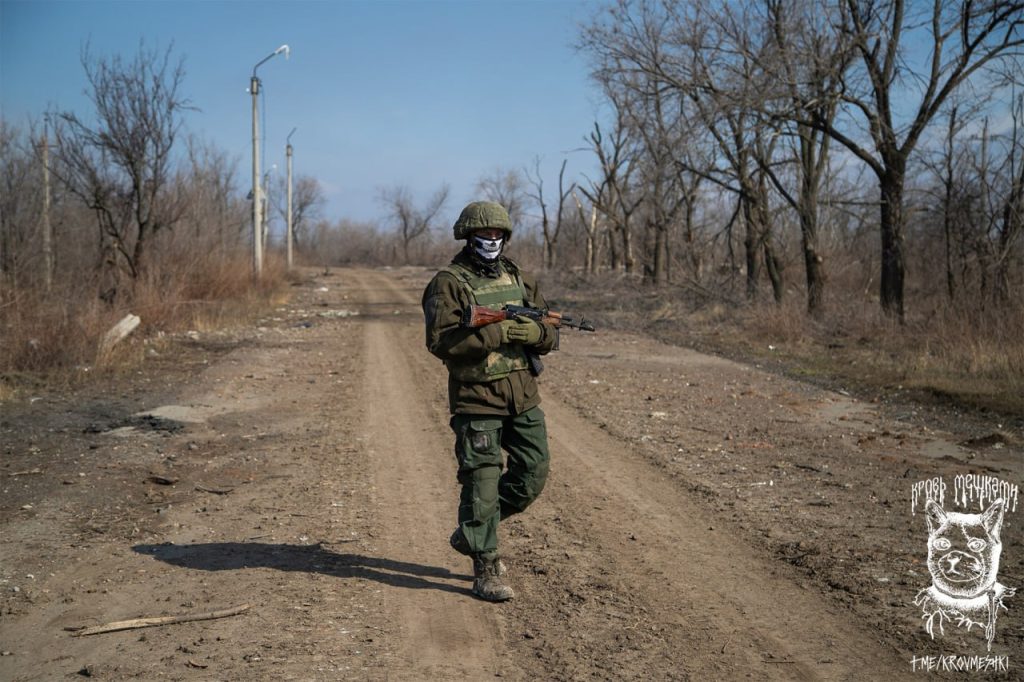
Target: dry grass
{"type": "Point", "coordinates": [203, 293]}
{"type": "Point", "coordinates": [963, 356]}
{"type": "Point", "coordinates": [55, 339]}
{"type": "Point", "coordinates": [968, 357]}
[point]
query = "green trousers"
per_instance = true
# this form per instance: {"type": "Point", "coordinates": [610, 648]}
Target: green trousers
{"type": "Point", "coordinates": [491, 491]}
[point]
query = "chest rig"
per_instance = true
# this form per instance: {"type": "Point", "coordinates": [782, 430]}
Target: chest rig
{"type": "Point", "coordinates": [492, 292]}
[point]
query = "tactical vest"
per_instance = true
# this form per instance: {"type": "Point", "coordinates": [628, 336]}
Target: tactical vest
{"type": "Point", "coordinates": [507, 289]}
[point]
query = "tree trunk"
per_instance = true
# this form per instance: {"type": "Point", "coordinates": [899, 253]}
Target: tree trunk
{"type": "Point", "coordinates": [774, 268]}
{"type": "Point", "coordinates": [590, 226]}
{"type": "Point", "coordinates": [984, 269]}
{"type": "Point", "coordinates": [550, 254]}
{"type": "Point", "coordinates": [750, 250]}
{"type": "Point", "coordinates": [893, 263]}
{"type": "Point", "coordinates": [1012, 224]}
{"type": "Point", "coordinates": [813, 262]}
{"type": "Point", "coordinates": [139, 253]}
{"type": "Point", "coordinates": [590, 266]}
{"type": "Point", "coordinates": [772, 263]}
{"type": "Point", "coordinates": [812, 160]}
{"type": "Point", "coordinates": [613, 250]}
{"type": "Point", "coordinates": [813, 266]}
{"type": "Point", "coordinates": [4, 251]}
{"type": "Point", "coordinates": [947, 203]}
{"type": "Point", "coordinates": [696, 265]}
{"type": "Point", "coordinates": [947, 228]}
{"type": "Point", "coordinates": [627, 250]}
{"type": "Point", "coordinates": [660, 254]}
{"type": "Point", "coordinates": [668, 259]}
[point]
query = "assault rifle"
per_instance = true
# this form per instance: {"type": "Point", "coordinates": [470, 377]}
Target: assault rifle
{"type": "Point", "coordinates": [478, 316]}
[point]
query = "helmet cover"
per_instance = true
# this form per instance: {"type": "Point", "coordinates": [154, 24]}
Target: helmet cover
{"type": "Point", "coordinates": [480, 215]}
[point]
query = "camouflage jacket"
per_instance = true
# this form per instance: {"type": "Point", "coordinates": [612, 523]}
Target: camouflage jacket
{"type": "Point", "coordinates": [444, 301]}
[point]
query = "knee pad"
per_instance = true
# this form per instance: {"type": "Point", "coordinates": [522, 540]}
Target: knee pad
{"type": "Point", "coordinates": [484, 486]}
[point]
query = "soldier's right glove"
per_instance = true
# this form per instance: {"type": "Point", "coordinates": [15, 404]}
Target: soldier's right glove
{"type": "Point", "coordinates": [504, 326]}
{"type": "Point", "coordinates": [521, 330]}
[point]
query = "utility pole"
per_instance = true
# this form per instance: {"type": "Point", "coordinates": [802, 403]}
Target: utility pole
{"type": "Point", "coordinates": [257, 228]}
{"type": "Point", "coordinates": [288, 154]}
{"type": "Point", "coordinates": [47, 227]}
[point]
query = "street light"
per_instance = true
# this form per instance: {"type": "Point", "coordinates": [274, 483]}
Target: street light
{"type": "Point", "coordinates": [288, 154]}
{"type": "Point", "coordinates": [257, 230]}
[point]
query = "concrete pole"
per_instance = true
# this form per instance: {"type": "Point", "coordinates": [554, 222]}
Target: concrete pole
{"type": "Point", "coordinates": [47, 227]}
{"type": "Point", "coordinates": [288, 153]}
{"type": "Point", "coordinates": [257, 229]}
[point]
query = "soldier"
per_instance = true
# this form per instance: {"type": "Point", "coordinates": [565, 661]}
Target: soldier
{"type": "Point", "coordinates": [492, 392]}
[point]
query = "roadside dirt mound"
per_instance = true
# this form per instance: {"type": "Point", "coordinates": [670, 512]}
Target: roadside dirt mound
{"type": "Point", "coordinates": [703, 519]}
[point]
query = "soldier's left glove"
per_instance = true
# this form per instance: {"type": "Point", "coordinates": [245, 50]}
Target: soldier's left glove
{"type": "Point", "coordinates": [524, 331]}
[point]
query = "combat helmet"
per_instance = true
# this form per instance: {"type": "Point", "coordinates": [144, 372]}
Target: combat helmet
{"type": "Point", "coordinates": [482, 214]}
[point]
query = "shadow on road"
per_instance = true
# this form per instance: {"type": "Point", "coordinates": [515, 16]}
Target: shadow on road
{"type": "Point", "coordinates": [231, 556]}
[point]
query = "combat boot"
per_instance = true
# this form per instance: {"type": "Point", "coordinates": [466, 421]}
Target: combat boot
{"type": "Point", "coordinates": [459, 543]}
{"type": "Point", "coordinates": [487, 584]}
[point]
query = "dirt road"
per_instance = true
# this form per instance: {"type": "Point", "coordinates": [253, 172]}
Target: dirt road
{"type": "Point", "coordinates": [703, 519]}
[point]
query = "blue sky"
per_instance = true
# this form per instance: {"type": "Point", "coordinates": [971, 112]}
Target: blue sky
{"type": "Point", "coordinates": [382, 93]}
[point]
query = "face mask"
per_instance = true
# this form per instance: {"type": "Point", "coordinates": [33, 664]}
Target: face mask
{"type": "Point", "coordinates": [487, 249]}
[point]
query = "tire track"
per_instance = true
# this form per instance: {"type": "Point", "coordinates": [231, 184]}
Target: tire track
{"type": "Point", "coordinates": [721, 608]}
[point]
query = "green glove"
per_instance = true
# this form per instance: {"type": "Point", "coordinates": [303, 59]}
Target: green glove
{"type": "Point", "coordinates": [504, 326]}
{"type": "Point", "coordinates": [521, 330]}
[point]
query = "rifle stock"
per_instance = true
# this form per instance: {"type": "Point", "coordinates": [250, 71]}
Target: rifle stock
{"type": "Point", "coordinates": [479, 316]}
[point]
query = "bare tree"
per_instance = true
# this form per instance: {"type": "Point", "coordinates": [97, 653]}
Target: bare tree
{"type": "Point", "coordinates": [19, 203]}
{"type": "Point", "coordinates": [549, 233]}
{"type": "Point", "coordinates": [952, 204]}
{"type": "Point", "coordinates": [675, 68]}
{"type": "Point", "coordinates": [995, 192]}
{"type": "Point", "coordinates": [612, 194]}
{"type": "Point", "coordinates": [658, 122]}
{"type": "Point", "coordinates": [307, 202]}
{"type": "Point", "coordinates": [590, 226]}
{"type": "Point", "coordinates": [120, 165]}
{"type": "Point", "coordinates": [806, 74]}
{"type": "Point", "coordinates": [723, 84]}
{"type": "Point", "coordinates": [412, 221]}
{"type": "Point", "coordinates": [963, 37]}
{"type": "Point", "coordinates": [1011, 227]}
{"type": "Point", "coordinates": [506, 187]}
{"type": "Point", "coordinates": [207, 187]}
